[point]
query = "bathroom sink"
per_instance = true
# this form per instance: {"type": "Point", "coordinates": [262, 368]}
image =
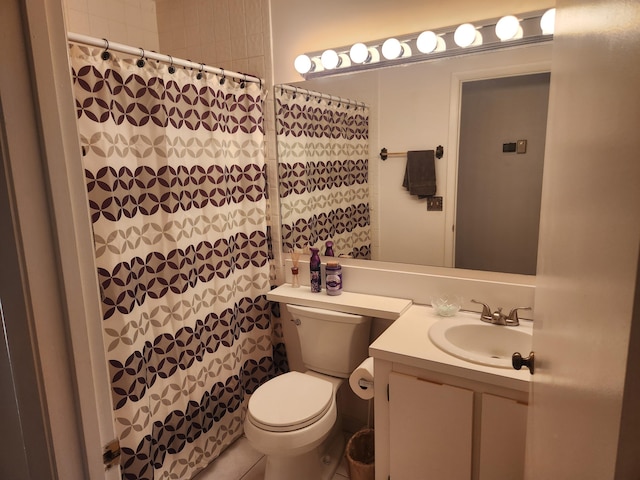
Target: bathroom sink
{"type": "Point", "coordinates": [479, 342]}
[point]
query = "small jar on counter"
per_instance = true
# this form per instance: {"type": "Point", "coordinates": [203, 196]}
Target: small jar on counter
{"type": "Point", "coordinates": [333, 281]}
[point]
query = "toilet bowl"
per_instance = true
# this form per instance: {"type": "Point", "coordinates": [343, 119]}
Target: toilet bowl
{"type": "Point", "coordinates": [293, 418]}
{"type": "Point", "coordinates": [299, 436]}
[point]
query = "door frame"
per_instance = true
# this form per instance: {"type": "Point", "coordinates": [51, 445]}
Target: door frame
{"type": "Point", "coordinates": [54, 241]}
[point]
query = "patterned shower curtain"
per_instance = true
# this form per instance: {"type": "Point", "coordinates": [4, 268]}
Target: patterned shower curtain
{"type": "Point", "coordinates": [323, 167]}
{"type": "Point", "coordinates": [176, 184]}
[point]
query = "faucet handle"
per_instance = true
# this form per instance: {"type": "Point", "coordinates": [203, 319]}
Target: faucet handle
{"type": "Point", "coordinates": [486, 314]}
{"type": "Point", "coordinates": [512, 318]}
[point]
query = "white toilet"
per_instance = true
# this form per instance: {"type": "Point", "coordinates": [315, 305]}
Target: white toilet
{"type": "Point", "coordinates": [293, 418]}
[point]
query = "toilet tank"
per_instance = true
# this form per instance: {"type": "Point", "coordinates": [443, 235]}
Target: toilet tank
{"type": "Point", "coordinates": [333, 343]}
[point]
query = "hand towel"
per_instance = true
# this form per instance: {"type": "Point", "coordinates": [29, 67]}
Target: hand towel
{"type": "Point", "coordinates": [420, 173]}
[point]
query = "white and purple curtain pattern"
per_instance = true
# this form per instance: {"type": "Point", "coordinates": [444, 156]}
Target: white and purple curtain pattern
{"type": "Point", "coordinates": [323, 165]}
{"type": "Point", "coordinates": [175, 176]}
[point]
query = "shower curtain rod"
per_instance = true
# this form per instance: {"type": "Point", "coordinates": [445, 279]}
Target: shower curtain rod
{"type": "Point", "coordinates": [321, 95]}
{"type": "Point", "coordinates": [149, 55]}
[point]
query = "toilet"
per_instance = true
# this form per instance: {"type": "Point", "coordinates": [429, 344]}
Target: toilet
{"type": "Point", "coordinates": [293, 418]}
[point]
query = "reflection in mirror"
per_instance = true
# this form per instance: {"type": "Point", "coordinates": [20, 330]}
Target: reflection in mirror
{"type": "Point", "coordinates": [417, 107]}
{"type": "Point", "coordinates": [323, 173]}
{"type": "Point", "coordinates": [503, 122]}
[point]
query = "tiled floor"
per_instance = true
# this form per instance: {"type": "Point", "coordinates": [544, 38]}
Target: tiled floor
{"type": "Point", "coordinates": [241, 462]}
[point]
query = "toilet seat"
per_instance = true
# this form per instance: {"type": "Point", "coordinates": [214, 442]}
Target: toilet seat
{"type": "Point", "coordinates": [290, 402]}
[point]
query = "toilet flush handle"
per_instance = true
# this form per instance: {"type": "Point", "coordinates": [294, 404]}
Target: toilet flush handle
{"type": "Point", "coordinates": [296, 321]}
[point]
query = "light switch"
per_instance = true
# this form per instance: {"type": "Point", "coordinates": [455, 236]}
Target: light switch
{"type": "Point", "coordinates": [522, 146]}
{"type": "Point", "coordinates": [434, 204]}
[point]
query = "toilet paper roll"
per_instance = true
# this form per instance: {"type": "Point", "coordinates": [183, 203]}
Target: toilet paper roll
{"type": "Point", "coordinates": [361, 380]}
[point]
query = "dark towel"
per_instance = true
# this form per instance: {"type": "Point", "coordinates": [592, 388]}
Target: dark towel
{"type": "Point", "coordinates": [420, 173]}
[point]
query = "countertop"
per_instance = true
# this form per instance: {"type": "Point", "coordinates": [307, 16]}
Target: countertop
{"type": "Point", "coordinates": [357, 303]}
{"type": "Point", "coordinates": [407, 342]}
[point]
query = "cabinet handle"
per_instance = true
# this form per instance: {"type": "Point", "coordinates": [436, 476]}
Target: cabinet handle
{"type": "Point", "coordinates": [518, 361]}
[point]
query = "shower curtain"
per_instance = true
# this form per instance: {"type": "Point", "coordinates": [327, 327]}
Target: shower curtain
{"type": "Point", "coordinates": [176, 185]}
{"type": "Point", "coordinates": [324, 173]}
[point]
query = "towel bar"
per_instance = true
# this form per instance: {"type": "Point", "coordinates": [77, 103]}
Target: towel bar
{"type": "Point", "coordinates": [384, 154]}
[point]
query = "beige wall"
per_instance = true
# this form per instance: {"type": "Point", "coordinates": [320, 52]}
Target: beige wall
{"type": "Point", "coordinates": [231, 34]}
{"type": "Point", "coordinates": [132, 22]}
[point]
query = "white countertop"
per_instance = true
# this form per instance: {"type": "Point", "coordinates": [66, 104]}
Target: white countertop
{"type": "Point", "coordinates": [357, 303]}
{"type": "Point", "coordinates": [407, 342]}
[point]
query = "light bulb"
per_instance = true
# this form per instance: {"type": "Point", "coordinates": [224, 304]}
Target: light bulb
{"type": "Point", "coordinates": [391, 49]}
{"type": "Point", "coordinates": [359, 53]}
{"type": "Point", "coordinates": [466, 35]}
{"type": "Point", "coordinates": [548, 22]}
{"type": "Point", "coordinates": [303, 64]}
{"type": "Point", "coordinates": [330, 59]}
{"type": "Point", "coordinates": [429, 42]}
{"type": "Point", "coordinates": [508, 28]}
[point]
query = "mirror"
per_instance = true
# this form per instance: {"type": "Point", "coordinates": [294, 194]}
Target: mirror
{"type": "Point", "coordinates": [417, 107]}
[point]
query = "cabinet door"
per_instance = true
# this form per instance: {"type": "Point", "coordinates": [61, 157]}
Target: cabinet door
{"type": "Point", "coordinates": [430, 430]}
{"type": "Point", "coordinates": [503, 437]}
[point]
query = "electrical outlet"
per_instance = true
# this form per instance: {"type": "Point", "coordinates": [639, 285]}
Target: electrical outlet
{"type": "Point", "coordinates": [434, 204]}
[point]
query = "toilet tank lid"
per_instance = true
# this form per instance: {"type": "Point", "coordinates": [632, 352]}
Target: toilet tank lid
{"type": "Point", "coordinates": [290, 400]}
{"type": "Point", "coordinates": [327, 315]}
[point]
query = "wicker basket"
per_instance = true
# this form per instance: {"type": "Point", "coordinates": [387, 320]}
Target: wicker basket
{"type": "Point", "coordinates": [360, 455]}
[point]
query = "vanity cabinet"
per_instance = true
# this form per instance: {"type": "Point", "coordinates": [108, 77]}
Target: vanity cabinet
{"type": "Point", "coordinates": [439, 417]}
{"type": "Point", "coordinates": [430, 429]}
{"type": "Point", "coordinates": [437, 426]}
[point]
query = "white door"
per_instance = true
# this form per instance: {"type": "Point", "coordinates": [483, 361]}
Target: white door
{"type": "Point", "coordinates": [588, 254]}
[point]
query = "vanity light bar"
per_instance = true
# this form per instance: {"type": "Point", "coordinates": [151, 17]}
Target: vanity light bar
{"type": "Point", "coordinates": [473, 37]}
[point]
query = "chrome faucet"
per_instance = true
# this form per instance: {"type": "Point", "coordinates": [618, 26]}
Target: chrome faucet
{"type": "Point", "coordinates": [498, 317]}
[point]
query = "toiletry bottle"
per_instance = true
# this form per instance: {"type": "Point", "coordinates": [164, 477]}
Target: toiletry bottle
{"type": "Point", "coordinates": [329, 249]}
{"type": "Point", "coordinates": [314, 267]}
{"type": "Point", "coordinates": [295, 257]}
{"type": "Point", "coordinates": [334, 278]}
{"type": "Point", "coordinates": [295, 282]}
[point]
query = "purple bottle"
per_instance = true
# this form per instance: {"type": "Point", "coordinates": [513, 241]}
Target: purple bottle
{"type": "Point", "coordinates": [329, 249]}
{"type": "Point", "coordinates": [314, 267]}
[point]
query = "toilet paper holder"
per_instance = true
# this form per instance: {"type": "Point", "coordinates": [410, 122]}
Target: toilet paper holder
{"type": "Point", "coordinates": [365, 383]}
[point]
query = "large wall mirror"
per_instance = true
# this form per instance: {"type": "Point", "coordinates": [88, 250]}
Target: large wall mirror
{"type": "Point", "coordinates": [423, 105]}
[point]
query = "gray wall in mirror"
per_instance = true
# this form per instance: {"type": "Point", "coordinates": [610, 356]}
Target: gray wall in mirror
{"type": "Point", "coordinates": [416, 107]}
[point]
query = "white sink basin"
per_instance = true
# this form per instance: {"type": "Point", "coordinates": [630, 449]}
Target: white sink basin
{"type": "Point", "coordinates": [479, 342]}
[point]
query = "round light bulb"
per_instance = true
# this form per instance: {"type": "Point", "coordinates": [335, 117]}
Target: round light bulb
{"type": "Point", "coordinates": [359, 53]}
{"type": "Point", "coordinates": [465, 35]}
{"type": "Point", "coordinates": [508, 28]}
{"type": "Point", "coordinates": [548, 22]}
{"type": "Point", "coordinates": [330, 59]}
{"type": "Point", "coordinates": [391, 49]}
{"type": "Point", "coordinates": [303, 64]}
{"type": "Point", "coordinates": [427, 42]}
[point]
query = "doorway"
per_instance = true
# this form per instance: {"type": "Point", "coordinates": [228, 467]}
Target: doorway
{"type": "Point", "coordinates": [500, 162]}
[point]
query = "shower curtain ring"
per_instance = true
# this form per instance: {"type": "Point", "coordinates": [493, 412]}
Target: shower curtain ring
{"type": "Point", "coordinates": [140, 62]}
{"type": "Point", "coordinates": [199, 76]}
{"type": "Point", "coordinates": [106, 55]}
{"type": "Point", "coordinates": [295, 92]}
{"type": "Point", "coordinates": [243, 82]}
{"type": "Point", "coordinates": [223, 79]}
{"type": "Point", "coordinates": [172, 69]}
